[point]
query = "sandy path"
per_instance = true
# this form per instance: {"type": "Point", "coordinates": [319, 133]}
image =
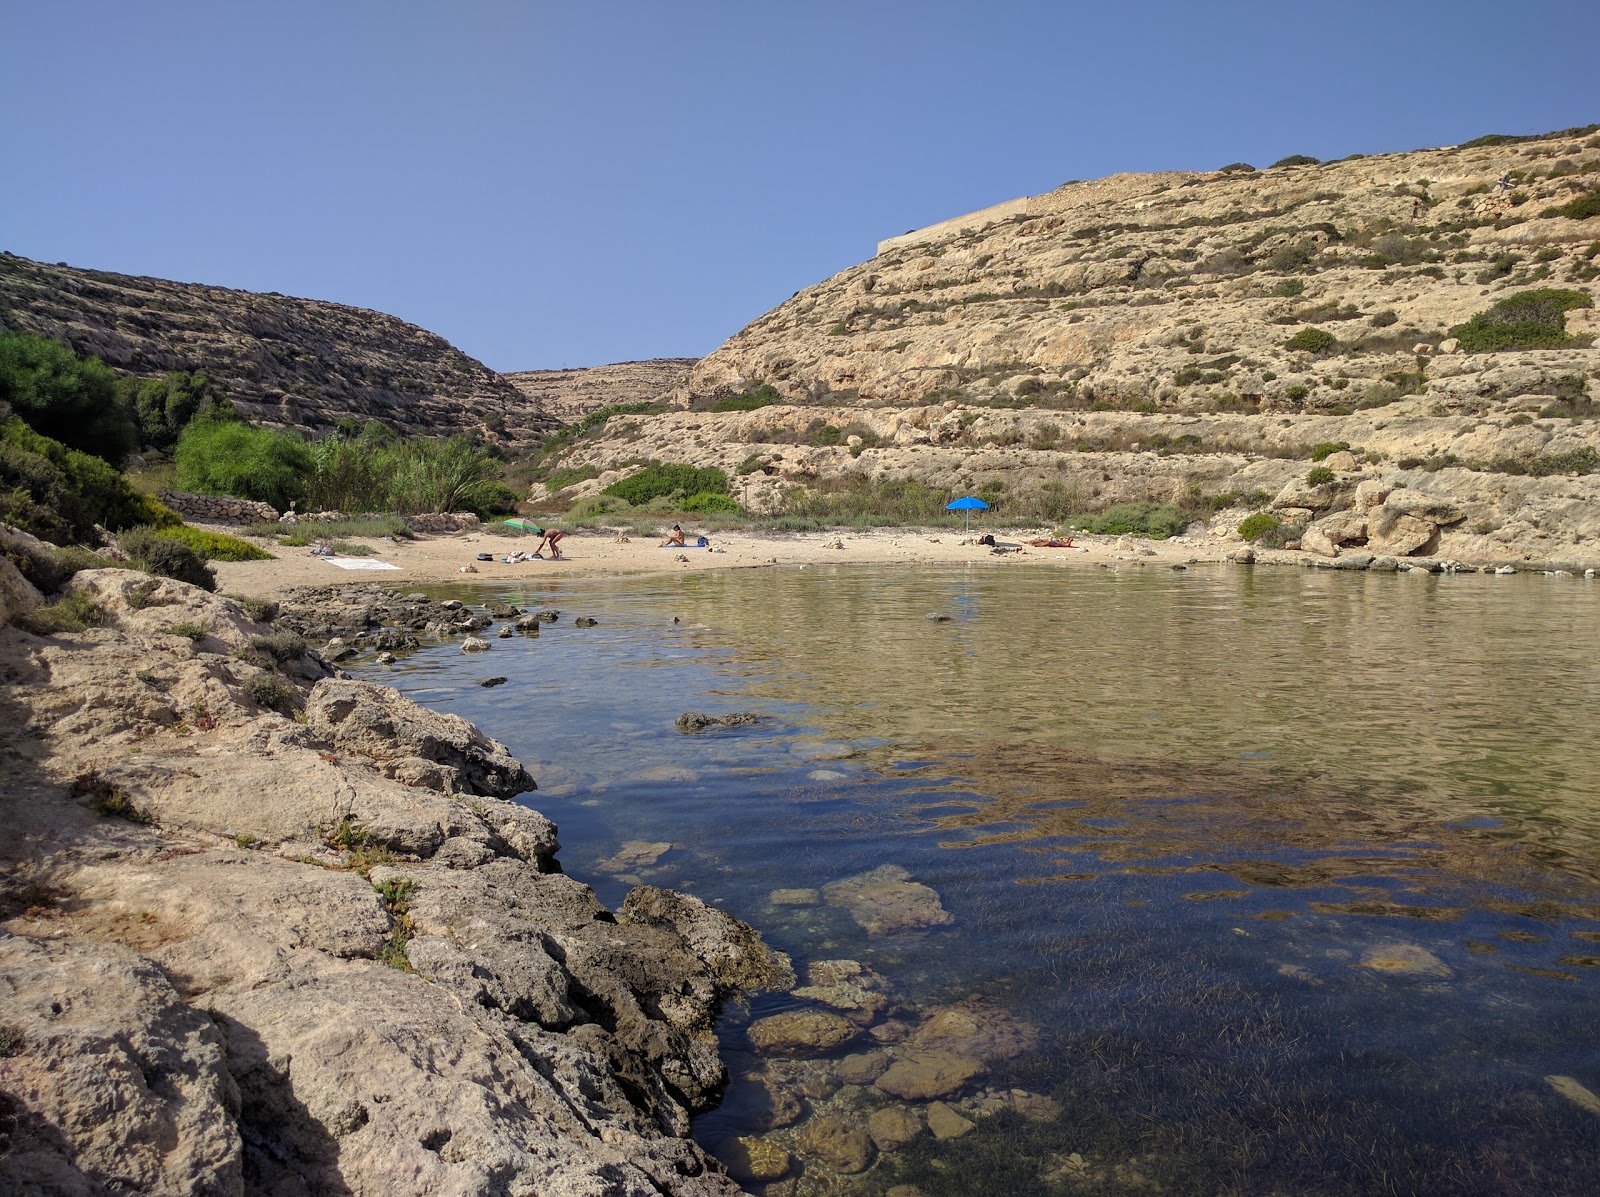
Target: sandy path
{"type": "Point", "coordinates": [453, 558]}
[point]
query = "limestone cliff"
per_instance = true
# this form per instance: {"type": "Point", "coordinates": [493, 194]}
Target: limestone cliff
{"type": "Point", "coordinates": [1193, 338]}
{"type": "Point", "coordinates": [271, 930]}
{"type": "Point", "coordinates": [569, 395]}
{"type": "Point", "coordinates": [299, 363]}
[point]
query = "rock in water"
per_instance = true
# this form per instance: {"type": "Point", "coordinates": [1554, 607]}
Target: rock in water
{"type": "Point", "coordinates": [885, 900]}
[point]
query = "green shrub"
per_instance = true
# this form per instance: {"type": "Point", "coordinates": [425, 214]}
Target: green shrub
{"type": "Point", "coordinates": [1318, 475]}
{"type": "Point", "coordinates": [1326, 449]}
{"type": "Point", "coordinates": [707, 501]}
{"type": "Point", "coordinates": [1157, 521]}
{"type": "Point", "coordinates": [490, 498]}
{"type": "Point", "coordinates": [1296, 160]}
{"type": "Point", "coordinates": [352, 548]}
{"type": "Point", "coordinates": [763, 395]}
{"type": "Point", "coordinates": [1383, 319]}
{"type": "Point", "coordinates": [157, 552]}
{"type": "Point", "coordinates": [658, 480]}
{"type": "Point", "coordinates": [69, 399]}
{"type": "Point", "coordinates": [1527, 320]}
{"type": "Point", "coordinates": [49, 569]}
{"type": "Point", "coordinates": [189, 631]}
{"type": "Point", "coordinates": [557, 480]}
{"type": "Point", "coordinates": [225, 457]}
{"type": "Point", "coordinates": [216, 546]}
{"type": "Point", "coordinates": [1289, 288]}
{"type": "Point", "coordinates": [74, 612]}
{"type": "Point", "coordinates": [1253, 527]}
{"type": "Point", "coordinates": [1297, 392]}
{"type": "Point", "coordinates": [1315, 341]}
{"type": "Point", "coordinates": [754, 464]}
{"type": "Point", "coordinates": [1237, 168]}
{"type": "Point", "coordinates": [1582, 208]}
{"type": "Point", "coordinates": [59, 494]}
{"type": "Point", "coordinates": [162, 407]}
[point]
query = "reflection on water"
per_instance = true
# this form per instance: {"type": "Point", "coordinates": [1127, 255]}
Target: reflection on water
{"type": "Point", "coordinates": [1286, 879]}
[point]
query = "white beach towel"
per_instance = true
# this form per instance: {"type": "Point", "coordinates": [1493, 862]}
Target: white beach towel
{"type": "Point", "coordinates": [359, 563]}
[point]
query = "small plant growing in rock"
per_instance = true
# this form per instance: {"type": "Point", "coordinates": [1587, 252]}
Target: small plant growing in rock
{"type": "Point", "coordinates": [1326, 449]}
{"type": "Point", "coordinates": [12, 1040]}
{"type": "Point", "coordinates": [191, 631]}
{"type": "Point", "coordinates": [269, 690]}
{"type": "Point", "coordinates": [1319, 475]}
{"type": "Point", "coordinates": [244, 840]}
{"type": "Point", "coordinates": [1253, 527]}
{"type": "Point", "coordinates": [73, 613]}
{"type": "Point", "coordinates": [107, 799]}
{"type": "Point", "coordinates": [282, 646]}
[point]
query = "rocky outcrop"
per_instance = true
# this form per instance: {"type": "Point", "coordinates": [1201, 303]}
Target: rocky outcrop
{"type": "Point", "coordinates": [296, 363]}
{"type": "Point", "coordinates": [267, 929]}
{"type": "Point", "coordinates": [569, 395]}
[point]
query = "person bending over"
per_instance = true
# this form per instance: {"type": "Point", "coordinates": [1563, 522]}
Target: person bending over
{"type": "Point", "coordinates": [552, 537]}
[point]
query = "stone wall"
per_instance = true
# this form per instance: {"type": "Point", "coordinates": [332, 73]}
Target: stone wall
{"type": "Point", "coordinates": [219, 508]}
{"type": "Point", "coordinates": [433, 521]}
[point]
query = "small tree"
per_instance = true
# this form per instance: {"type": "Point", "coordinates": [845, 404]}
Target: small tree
{"type": "Point", "coordinates": [69, 399]}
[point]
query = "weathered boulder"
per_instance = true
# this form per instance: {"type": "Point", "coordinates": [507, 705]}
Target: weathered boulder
{"type": "Point", "coordinates": [119, 1085]}
{"type": "Point", "coordinates": [17, 595]}
{"type": "Point", "coordinates": [732, 950]}
{"type": "Point", "coordinates": [1393, 533]}
{"type": "Point", "coordinates": [412, 743]}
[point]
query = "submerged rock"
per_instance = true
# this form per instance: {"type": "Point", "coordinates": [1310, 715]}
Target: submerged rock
{"type": "Point", "coordinates": [892, 1127]}
{"type": "Point", "coordinates": [918, 1075]}
{"type": "Point", "coordinates": [885, 900]}
{"type": "Point", "coordinates": [1405, 959]}
{"type": "Point", "coordinates": [946, 1123]}
{"type": "Point", "coordinates": [837, 1143]}
{"type": "Point", "coordinates": [801, 1033]}
{"type": "Point", "coordinates": [750, 1159]}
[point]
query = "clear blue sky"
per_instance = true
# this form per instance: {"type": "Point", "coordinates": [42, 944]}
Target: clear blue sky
{"type": "Point", "coordinates": [569, 183]}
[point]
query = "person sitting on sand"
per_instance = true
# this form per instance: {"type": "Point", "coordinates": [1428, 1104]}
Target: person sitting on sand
{"type": "Point", "coordinates": [552, 537]}
{"type": "Point", "coordinates": [673, 537]}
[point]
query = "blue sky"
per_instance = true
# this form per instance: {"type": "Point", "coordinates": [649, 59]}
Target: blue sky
{"type": "Point", "coordinates": [568, 183]}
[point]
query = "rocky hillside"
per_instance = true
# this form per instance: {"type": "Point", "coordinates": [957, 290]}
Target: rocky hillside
{"type": "Point", "coordinates": [1193, 338]}
{"type": "Point", "coordinates": [569, 395]}
{"type": "Point", "coordinates": [299, 363]}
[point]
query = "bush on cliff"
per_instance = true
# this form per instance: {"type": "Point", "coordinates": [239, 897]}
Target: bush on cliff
{"type": "Point", "coordinates": [764, 395]}
{"type": "Point", "coordinates": [59, 494]}
{"type": "Point", "coordinates": [1314, 341]}
{"type": "Point", "coordinates": [226, 457]}
{"type": "Point", "coordinates": [156, 552]}
{"type": "Point", "coordinates": [1254, 527]}
{"type": "Point", "coordinates": [70, 399]}
{"type": "Point", "coordinates": [1534, 319]}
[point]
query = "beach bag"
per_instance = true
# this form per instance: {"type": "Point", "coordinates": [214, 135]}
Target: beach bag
{"type": "Point", "coordinates": [702, 543]}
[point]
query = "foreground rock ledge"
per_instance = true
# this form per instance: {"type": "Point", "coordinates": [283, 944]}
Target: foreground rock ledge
{"type": "Point", "coordinates": [311, 947]}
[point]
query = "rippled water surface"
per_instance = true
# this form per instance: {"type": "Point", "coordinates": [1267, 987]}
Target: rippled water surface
{"type": "Point", "coordinates": [1280, 881]}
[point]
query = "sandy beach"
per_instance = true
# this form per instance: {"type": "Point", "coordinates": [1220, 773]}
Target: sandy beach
{"type": "Point", "coordinates": [453, 558]}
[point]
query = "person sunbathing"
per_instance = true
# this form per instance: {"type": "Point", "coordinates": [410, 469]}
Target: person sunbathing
{"type": "Point", "coordinates": [673, 537]}
{"type": "Point", "coordinates": [1051, 542]}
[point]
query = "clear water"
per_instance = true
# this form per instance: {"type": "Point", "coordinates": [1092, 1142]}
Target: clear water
{"type": "Point", "coordinates": [1177, 817]}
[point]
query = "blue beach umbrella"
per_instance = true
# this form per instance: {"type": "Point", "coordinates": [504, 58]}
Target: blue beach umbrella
{"type": "Point", "coordinates": [968, 505]}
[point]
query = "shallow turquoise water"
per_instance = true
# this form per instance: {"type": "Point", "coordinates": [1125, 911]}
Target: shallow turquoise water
{"type": "Point", "coordinates": [1296, 873]}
